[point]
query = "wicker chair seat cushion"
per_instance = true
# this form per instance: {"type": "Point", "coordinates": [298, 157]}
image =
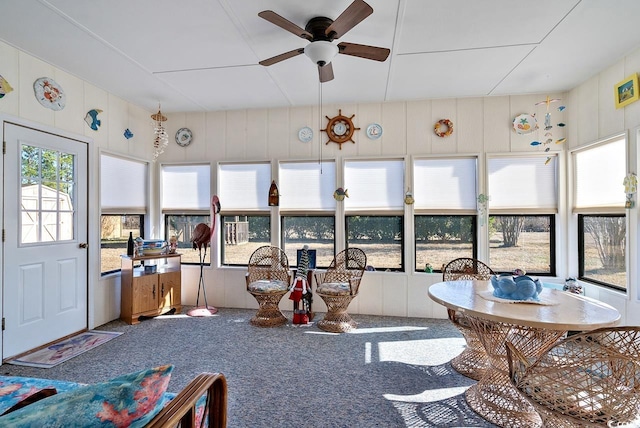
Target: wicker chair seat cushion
{"type": "Point", "coordinates": [334, 288]}
{"type": "Point", "coordinates": [268, 286]}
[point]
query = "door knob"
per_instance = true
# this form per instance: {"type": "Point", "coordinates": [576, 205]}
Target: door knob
{"type": "Point", "coordinates": [83, 245]}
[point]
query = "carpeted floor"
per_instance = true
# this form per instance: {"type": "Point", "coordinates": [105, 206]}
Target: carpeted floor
{"type": "Point", "coordinates": [390, 372]}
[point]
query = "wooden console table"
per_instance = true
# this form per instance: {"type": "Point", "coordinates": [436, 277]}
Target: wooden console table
{"type": "Point", "coordinates": [149, 293]}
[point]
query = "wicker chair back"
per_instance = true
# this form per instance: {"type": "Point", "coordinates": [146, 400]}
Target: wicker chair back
{"type": "Point", "coordinates": [466, 268]}
{"type": "Point", "coordinates": [588, 379]}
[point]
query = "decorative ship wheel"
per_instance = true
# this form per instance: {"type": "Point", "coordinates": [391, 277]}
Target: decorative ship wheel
{"type": "Point", "coordinates": [340, 129]}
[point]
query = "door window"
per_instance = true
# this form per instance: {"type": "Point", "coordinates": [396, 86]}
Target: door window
{"type": "Point", "coordinates": [46, 195]}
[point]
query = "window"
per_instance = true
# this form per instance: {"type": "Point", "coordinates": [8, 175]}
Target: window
{"type": "Point", "coordinates": [122, 212]}
{"type": "Point", "coordinates": [522, 206]}
{"type": "Point", "coordinates": [380, 237]}
{"type": "Point", "coordinates": [315, 231]}
{"type": "Point", "coordinates": [599, 172]}
{"type": "Point", "coordinates": [182, 226]}
{"type": "Point", "coordinates": [186, 202]}
{"type": "Point", "coordinates": [442, 238]}
{"type": "Point", "coordinates": [246, 220]}
{"type": "Point", "coordinates": [307, 209]}
{"type": "Point", "coordinates": [601, 249]}
{"type": "Point", "coordinates": [522, 242]}
{"type": "Point", "coordinates": [374, 211]}
{"type": "Point", "coordinates": [47, 194]}
{"type": "Point", "coordinates": [114, 234]}
{"type": "Point", "coordinates": [445, 206]}
{"type": "Point", "coordinates": [242, 236]}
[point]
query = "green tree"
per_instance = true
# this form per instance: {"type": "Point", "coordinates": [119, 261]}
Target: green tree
{"type": "Point", "coordinates": [47, 167]}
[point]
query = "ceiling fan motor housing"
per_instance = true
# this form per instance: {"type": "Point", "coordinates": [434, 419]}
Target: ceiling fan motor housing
{"type": "Point", "coordinates": [321, 51]}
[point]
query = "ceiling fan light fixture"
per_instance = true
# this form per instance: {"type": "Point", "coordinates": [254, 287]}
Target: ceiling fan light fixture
{"type": "Point", "coordinates": [321, 52]}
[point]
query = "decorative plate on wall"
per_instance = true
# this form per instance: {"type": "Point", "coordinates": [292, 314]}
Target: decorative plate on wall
{"type": "Point", "coordinates": [184, 136]}
{"type": "Point", "coordinates": [305, 134]}
{"type": "Point", "coordinates": [525, 123]}
{"type": "Point", "coordinates": [49, 93]}
{"type": "Point", "coordinates": [374, 131]}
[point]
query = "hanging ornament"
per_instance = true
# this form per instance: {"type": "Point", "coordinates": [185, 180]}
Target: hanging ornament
{"type": "Point", "coordinates": [408, 198]}
{"type": "Point", "coordinates": [161, 139]}
{"type": "Point", "coordinates": [482, 207]}
{"type": "Point", "coordinates": [548, 127]}
{"type": "Point", "coordinates": [274, 195]}
{"type": "Point", "coordinates": [340, 193]}
{"type": "Point", "coordinates": [630, 183]}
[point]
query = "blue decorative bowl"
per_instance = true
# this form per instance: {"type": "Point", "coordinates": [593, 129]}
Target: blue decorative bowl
{"type": "Point", "coordinates": [523, 287]}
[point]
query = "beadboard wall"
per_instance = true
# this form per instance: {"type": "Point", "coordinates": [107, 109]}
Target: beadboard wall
{"type": "Point", "coordinates": [482, 126]}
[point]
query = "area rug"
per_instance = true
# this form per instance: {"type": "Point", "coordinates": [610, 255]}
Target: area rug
{"type": "Point", "coordinates": [64, 350]}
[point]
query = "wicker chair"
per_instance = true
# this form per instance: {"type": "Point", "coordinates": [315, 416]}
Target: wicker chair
{"type": "Point", "coordinates": [472, 362]}
{"type": "Point", "coordinates": [588, 379]}
{"type": "Point", "coordinates": [338, 286]}
{"type": "Point", "coordinates": [268, 279]}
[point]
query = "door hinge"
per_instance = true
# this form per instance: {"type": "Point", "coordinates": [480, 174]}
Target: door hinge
{"type": "Point", "coordinates": [2, 323]}
{"type": "Point", "coordinates": [3, 235]}
{"type": "Point", "coordinates": [4, 147]}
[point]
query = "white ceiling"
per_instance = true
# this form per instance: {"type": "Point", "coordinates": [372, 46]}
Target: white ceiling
{"type": "Point", "coordinates": [202, 55]}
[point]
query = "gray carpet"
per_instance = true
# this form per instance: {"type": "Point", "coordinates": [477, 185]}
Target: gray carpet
{"type": "Point", "coordinates": [390, 372]}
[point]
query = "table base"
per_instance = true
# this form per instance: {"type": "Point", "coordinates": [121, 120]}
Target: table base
{"type": "Point", "coordinates": [496, 400]}
{"type": "Point", "coordinates": [494, 397]}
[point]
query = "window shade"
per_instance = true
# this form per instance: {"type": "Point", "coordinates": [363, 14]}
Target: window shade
{"type": "Point", "coordinates": [599, 173]}
{"type": "Point", "coordinates": [374, 184]}
{"type": "Point", "coordinates": [118, 174]}
{"type": "Point", "coordinates": [523, 183]}
{"type": "Point", "coordinates": [244, 186]}
{"type": "Point", "coordinates": [186, 187]}
{"type": "Point", "coordinates": [445, 184]}
{"type": "Point", "coordinates": [302, 186]}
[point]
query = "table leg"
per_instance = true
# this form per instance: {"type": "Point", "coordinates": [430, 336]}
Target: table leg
{"type": "Point", "coordinates": [494, 397]}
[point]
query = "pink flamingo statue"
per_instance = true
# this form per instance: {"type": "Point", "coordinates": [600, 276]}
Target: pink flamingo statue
{"type": "Point", "coordinates": [200, 238]}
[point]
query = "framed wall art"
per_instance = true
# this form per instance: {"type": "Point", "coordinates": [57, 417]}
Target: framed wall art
{"type": "Point", "coordinates": [626, 91]}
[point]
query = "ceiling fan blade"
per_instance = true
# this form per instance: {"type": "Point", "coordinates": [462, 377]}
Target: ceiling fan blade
{"type": "Point", "coordinates": [325, 72]}
{"type": "Point", "coordinates": [284, 23]}
{"type": "Point", "coordinates": [281, 57]}
{"type": "Point", "coordinates": [364, 51]}
{"type": "Point", "coordinates": [352, 16]}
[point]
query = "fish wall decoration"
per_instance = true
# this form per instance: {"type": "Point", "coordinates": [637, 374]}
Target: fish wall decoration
{"type": "Point", "coordinates": [92, 119]}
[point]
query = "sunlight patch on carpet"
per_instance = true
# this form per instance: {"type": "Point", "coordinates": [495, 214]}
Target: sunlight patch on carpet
{"type": "Point", "coordinates": [422, 352]}
{"type": "Point", "coordinates": [428, 396]}
{"type": "Point", "coordinates": [64, 350]}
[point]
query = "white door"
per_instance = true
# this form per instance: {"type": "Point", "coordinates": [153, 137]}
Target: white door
{"type": "Point", "coordinates": [45, 224]}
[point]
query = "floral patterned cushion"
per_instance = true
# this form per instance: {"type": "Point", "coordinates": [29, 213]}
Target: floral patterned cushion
{"type": "Point", "coordinates": [266, 286]}
{"type": "Point", "coordinates": [335, 288]}
{"type": "Point", "coordinates": [15, 389]}
{"type": "Point", "coordinates": [131, 400]}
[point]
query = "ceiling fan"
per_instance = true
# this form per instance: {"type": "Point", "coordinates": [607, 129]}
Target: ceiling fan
{"type": "Point", "coordinates": [321, 31]}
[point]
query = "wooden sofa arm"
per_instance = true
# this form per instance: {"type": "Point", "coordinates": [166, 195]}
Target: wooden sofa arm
{"type": "Point", "coordinates": [182, 409]}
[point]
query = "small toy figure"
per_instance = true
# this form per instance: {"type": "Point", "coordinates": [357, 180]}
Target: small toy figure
{"type": "Point", "coordinates": [572, 286]}
{"type": "Point", "coordinates": [300, 289]}
{"type": "Point", "coordinates": [173, 244]}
